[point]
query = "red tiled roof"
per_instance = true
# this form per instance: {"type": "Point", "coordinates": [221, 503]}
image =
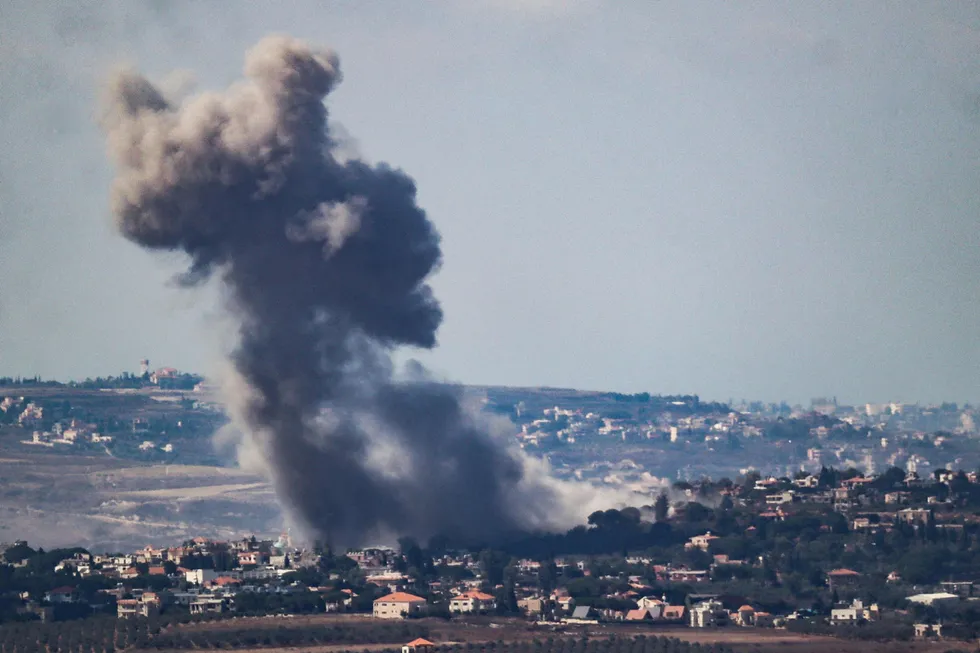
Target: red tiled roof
{"type": "Point", "coordinates": [843, 572]}
{"type": "Point", "coordinates": [400, 597]}
{"type": "Point", "coordinates": [474, 594]}
{"type": "Point", "coordinates": [419, 641]}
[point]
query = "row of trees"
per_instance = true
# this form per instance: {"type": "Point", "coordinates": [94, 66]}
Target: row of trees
{"type": "Point", "coordinates": [284, 635]}
{"type": "Point", "coordinates": [124, 380]}
{"type": "Point", "coordinates": [107, 634]}
{"type": "Point", "coordinates": [614, 644]}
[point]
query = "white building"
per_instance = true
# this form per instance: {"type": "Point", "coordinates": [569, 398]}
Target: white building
{"type": "Point", "coordinates": [398, 605]}
{"type": "Point", "coordinates": [702, 542]}
{"type": "Point", "coordinates": [780, 498]}
{"type": "Point", "coordinates": [472, 602]}
{"type": "Point", "coordinates": [200, 576]}
{"type": "Point", "coordinates": [653, 605]}
{"type": "Point", "coordinates": [933, 598]}
{"type": "Point", "coordinates": [205, 604]}
{"type": "Point", "coordinates": [707, 614]}
{"type": "Point", "coordinates": [855, 613]}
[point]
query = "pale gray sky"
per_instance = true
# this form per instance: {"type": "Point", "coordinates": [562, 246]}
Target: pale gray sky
{"type": "Point", "coordinates": [759, 200]}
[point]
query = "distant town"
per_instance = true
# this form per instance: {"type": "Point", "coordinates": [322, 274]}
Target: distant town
{"type": "Point", "coordinates": [855, 522]}
{"type": "Point", "coordinates": [888, 556]}
{"type": "Point", "coordinates": [636, 441]}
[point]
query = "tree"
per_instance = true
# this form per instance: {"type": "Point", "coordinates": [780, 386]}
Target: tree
{"type": "Point", "coordinates": [221, 559]}
{"type": "Point", "coordinates": [661, 507]}
{"type": "Point", "coordinates": [695, 512]}
{"type": "Point", "coordinates": [413, 553]}
{"type": "Point", "coordinates": [748, 484]}
{"type": "Point", "coordinates": [494, 563]}
{"type": "Point", "coordinates": [548, 575]}
{"type": "Point", "coordinates": [890, 478]}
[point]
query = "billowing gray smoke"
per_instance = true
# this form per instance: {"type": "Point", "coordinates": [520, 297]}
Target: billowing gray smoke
{"type": "Point", "coordinates": [325, 264]}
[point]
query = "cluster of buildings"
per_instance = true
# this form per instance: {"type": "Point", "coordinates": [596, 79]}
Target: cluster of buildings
{"type": "Point", "coordinates": [253, 565]}
{"type": "Point", "coordinates": [68, 432]}
{"type": "Point", "coordinates": [869, 504]}
{"type": "Point", "coordinates": [686, 442]}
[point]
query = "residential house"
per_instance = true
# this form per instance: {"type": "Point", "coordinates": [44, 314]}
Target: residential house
{"type": "Point", "coordinates": [840, 494]}
{"type": "Point", "coordinates": [390, 579]}
{"type": "Point", "coordinates": [528, 565]}
{"type": "Point", "coordinates": [673, 613]}
{"type": "Point", "coordinates": [531, 605]}
{"type": "Point", "coordinates": [200, 576]}
{"type": "Point", "coordinates": [418, 646]}
{"type": "Point", "coordinates": [918, 516]}
{"type": "Point", "coordinates": [763, 620]}
{"type": "Point", "coordinates": [279, 561]}
{"type": "Point", "coordinates": [226, 582]}
{"type": "Point", "coordinates": [780, 498]}
{"type": "Point", "coordinates": [398, 605]}
{"type": "Point", "coordinates": [688, 576]}
{"type": "Point", "coordinates": [61, 595]}
{"type": "Point", "coordinates": [185, 598]}
{"type": "Point", "coordinates": [652, 605]}
{"type": "Point", "coordinates": [707, 614]}
{"type": "Point", "coordinates": [826, 497]}
{"type": "Point", "coordinates": [146, 606]}
{"type": "Point", "coordinates": [856, 482]}
{"type": "Point", "coordinates": [854, 613]}
{"type": "Point", "coordinates": [472, 601]}
{"type": "Point", "coordinates": [251, 558]}
{"type": "Point", "coordinates": [745, 615]}
{"type": "Point", "coordinates": [641, 614]}
{"type": "Point", "coordinates": [126, 608]}
{"type": "Point", "coordinates": [206, 604]}
{"type": "Point", "coordinates": [702, 542]}
{"type": "Point", "coordinates": [900, 497]}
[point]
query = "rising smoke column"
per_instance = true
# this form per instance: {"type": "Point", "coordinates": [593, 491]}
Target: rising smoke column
{"type": "Point", "coordinates": [325, 264]}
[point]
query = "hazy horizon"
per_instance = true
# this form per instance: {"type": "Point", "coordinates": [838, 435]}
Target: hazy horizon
{"type": "Point", "coordinates": [765, 201]}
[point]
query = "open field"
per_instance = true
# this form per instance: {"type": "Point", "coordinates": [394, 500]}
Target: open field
{"type": "Point", "coordinates": [185, 493]}
{"type": "Point", "coordinates": [53, 498]}
{"type": "Point", "coordinates": [476, 631]}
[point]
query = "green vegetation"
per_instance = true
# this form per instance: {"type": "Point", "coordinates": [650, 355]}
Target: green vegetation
{"type": "Point", "coordinates": [108, 634]}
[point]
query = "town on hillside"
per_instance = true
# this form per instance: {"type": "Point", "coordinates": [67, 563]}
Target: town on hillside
{"type": "Point", "coordinates": [893, 555]}
{"type": "Point", "coordinates": [632, 441]}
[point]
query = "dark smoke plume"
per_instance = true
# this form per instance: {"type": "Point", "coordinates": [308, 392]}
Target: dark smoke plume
{"type": "Point", "coordinates": [325, 262]}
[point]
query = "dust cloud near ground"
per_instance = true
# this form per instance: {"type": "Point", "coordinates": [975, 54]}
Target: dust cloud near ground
{"type": "Point", "coordinates": [52, 499]}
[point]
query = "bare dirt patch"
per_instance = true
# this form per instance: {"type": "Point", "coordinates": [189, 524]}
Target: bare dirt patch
{"type": "Point", "coordinates": [478, 630]}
